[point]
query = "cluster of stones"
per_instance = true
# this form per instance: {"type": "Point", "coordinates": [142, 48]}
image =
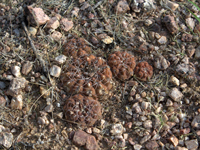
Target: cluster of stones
{"type": "Point", "coordinates": [88, 79]}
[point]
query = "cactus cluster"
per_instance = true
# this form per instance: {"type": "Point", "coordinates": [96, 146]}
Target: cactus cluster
{"type": "Point", "coordinates": [88, 78]}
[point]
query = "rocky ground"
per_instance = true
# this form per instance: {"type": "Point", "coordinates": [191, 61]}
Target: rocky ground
{"type": "Point", "coordinates": [107, 74]}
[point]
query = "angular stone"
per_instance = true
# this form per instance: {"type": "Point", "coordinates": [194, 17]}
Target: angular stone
{"type": "Point", "coordinates": [16, 86]}
{"type": "Point", "coordinates": [65, 24]}
{"type": "Point", "coordinates": [6, 139]}
{"type": "Point", "coordinates": [61, 59]}
{"type": "Point", "coordinates": [196, 122]}
{"type": "Point", "coordinates": [55, 71]}
{"type": "Point", "coordinates": [17, 102]}
{"type": "Point", "coordinates": [145, 139]}
{"type": "Point", "coordinates": [91, 143]}
{"type": "Point", "coordinates": [49, 108]}
{"type": "Point", "coordinates": [27, 67]}
{"type": "Point", "coordinates": [36, 16]}
{"type": "Point", "coordinates": [122, 7]}
{"type": "Point", "coordinates": [172, 5]}
{"type": "Point", "coordinates": [53, 23]}
{"type": "Point", "coordinates": [16, 71]}
{"type": "Point", "coordinates": [192, 144]}
{"type": "Point", "coordinates": [174, 140]}
{"type": "Point", "coordinates": [175, 94]}
{"type": "Point", "coordinates": [152, 145]}
{"type": "Point", "coordinates": [186, 37]}
{"type": "Point", "coordinates": [147, 124]}
{"type": "Point", "coordinates": [56, 36]}
{"type": "Point", "coordinates": [197, 52]}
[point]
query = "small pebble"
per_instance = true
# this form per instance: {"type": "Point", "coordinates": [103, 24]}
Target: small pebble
{"type": "Point", "coordinates": [55, 71]}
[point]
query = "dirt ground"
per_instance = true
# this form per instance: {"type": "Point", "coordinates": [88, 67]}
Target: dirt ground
{"type": "Point", "coordinates": [154, 106]}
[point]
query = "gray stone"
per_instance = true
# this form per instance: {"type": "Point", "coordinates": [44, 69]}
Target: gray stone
{"type": "Point", "coordinates": [49, 108]}
{"type": "Point", "coordinates": [2, 85]}
{"type": "Point", "coordinates": [151, 145]}
{"type": "Point", "coordinates": [197, 52]}
{"type": "Point", "coordinates": [161, 63]}
{"type": "Point", "coordinates": [16, 86]}
{"type": "Point", "coordinates": [190, 22]}
{"type": "Point", "coordinates": [196, 122]}
{"type": "Point", "coordinates": [147, 124]}
{"type": "Point", "coordinates": [55, 71]}
{"type": "Point", "coordinates": [61, 59]}
{"type": "Point", "coordinates": [6, 139]}
{"type": "Point", "coordinates": [192, 144]}
{"type": "Point", "coordinates": [145, 139]}
{"type": "Point", "coordinates": [175, 94]}
{"type": "Point", "coordinates": [172, 5]}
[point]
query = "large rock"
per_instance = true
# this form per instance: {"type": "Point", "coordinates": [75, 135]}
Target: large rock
{"type": "Point", "coordinates": [36, 16]}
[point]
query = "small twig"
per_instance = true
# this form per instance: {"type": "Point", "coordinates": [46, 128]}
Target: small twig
{"type": "Point", "coordinates": [38, 56]}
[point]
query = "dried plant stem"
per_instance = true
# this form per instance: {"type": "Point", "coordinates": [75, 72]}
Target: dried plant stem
{"type": "Point", "coordinates": [38, 56]}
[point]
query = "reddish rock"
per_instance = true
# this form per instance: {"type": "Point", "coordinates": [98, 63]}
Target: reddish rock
{"type": "Point", "coordinates": [173, 140]}
{"type": "Point", "coordinates": [91, 143]}
{"type": "Point", "coordinates": [65, 24]}
{"type": "Point", "coordinates": [83, 139]}
{"type": "Point", "coordinates": [152, 145]}
{"type": "Point", "coordinates": [80, 138]}
{"type": "Point", "coordinates": [185, 131]}
{"type": "Point", "coordinates": [2, 101]}
{"type": "Point", "coordinates": [36, 16]}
